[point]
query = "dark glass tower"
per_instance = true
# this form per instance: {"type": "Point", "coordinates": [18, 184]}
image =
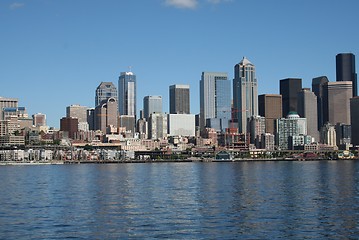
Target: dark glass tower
{"type": "Point", "coordinates": [345, 65]}
{"type": "Point", "coordinates": [289, 89]}
{"type": "Point", "coordinates": [317, 88]}
{"type": "Point", "coordinates": [179, 99]}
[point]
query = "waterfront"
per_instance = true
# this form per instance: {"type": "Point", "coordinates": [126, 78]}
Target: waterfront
{"type": "Point", "coordinates": [256, 200]}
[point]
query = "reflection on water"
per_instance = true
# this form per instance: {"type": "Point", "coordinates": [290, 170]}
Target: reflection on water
{"type": "Point", "coordinates": [257, 200]}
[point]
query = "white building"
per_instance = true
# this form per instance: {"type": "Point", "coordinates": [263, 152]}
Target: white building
{"type": "Point", "coordinates": [181, 125]}
{"type": "Point", "coordinates": [290, 126]}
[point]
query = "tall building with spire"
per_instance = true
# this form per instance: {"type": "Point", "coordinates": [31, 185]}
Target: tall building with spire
{"type": "Point", "coordinates": [127, 94]}
{"type": "Point", "coordinates": [245, 93]}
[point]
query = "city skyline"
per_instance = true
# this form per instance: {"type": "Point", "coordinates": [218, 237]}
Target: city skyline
{"type": "Point", "coordinates": [69, 51]}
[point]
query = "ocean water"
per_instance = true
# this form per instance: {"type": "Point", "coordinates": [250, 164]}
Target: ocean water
{"type": "Point", "coordinates": [246, 200]}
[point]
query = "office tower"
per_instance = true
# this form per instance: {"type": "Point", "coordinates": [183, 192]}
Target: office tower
{"type": "Point", "coordinates": [245, 93]}
{"type": "Point", "coordinates": [77, 111]}
{"type": "Point", "coordinates": [179, 99]}
{"type": "Point", "coordinates": [106, 115]}
{"type": "Point", "coordinates": [289, 89]}
{"type": "Point", "coordinates": [105, 91]}
{"type": "Point", "coordinates": [152, 104]}
{"type": "Point", "coordinates": [257, 125]}
{"type": "Point", "coordinates": [127, 94]}
{"type": "Point", "coordinates": [317, 88]}
{"type": "Point", "coordinates": [328, 135]}
{"type": "Point", "coordinates": [90, 116]}
{"type": "Point", "coordinates": [7, 103]}
{"type": "Point", "coordinates": [307, 108]}
{"type": "Point", "coordinates": [354, 116]}
{"type": "Point", "coordinates": [336, 102]}
{"type": "Point", "coordinates": [39, 119]}
{"type": "Point", "coordinates": [344, 133]}
{"type": "Point", "coordinates": [157, 126]}
{"type": "Point", "coordinates": [345, 70]}
{"type": "Point", "coordinates": [181, 125]}
{"type": "Point", "coordinates": [127, 123]}
{"type": "Point", "coordinates": [69, 125]}
{"type": "Point", "coordinates": [142, 128]}
{"type": "Point", "coordinates": [270, 107]}
{"type": "Point", "coordinates": [215, 100]}
{"type": "Point", "coordinates": [290, 126]}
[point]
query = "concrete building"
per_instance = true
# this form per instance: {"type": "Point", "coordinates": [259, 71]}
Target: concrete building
{"type": "Point", "coordinates": [328, 135]}
{"type": "Point", "coordinates": [245, 93]}
{"type": "Point", "coordinates": [289, 89]}
{"type": "Point", "coordinates": [179, 99]}
{"type": "Point", "coordinates": [215, 99]}
{"type": "Point", "coordinates": [39, 119]}
{"type": "Point", "coordinates": [128, 123]}
{"type": "Point", "coordinates": [77, 111]}
{"type": "Point", "coordinates": [181, 125]}
{"type": "Point", "coordinates": [354, 109]}
{"type": "Point", "coordinates": [317, 87]}
{"type": "Point", "coordinates": [307, 108]}
{"type": "Point", "coordinates": [157, 126]}
{"type": "Point", "coordinates": [69, 125]}
{"type": "Point", "coordinates": [7, 103]}
{"type": "Point", "coordinates": [270, 107]}
{"type": "Point", "coordinates": [257, 126]}
{"type": "Point", "coordinates": [105, 91]}
{"type": "Point", "coordinates": [345, 70]}
{"type": "Point", "coordinates": [106, 115]}
{"type": "Point", "coordinates": [336, 102]}
{"type": "Point", "coordinates": [290, 126]}
{"type": "Point", "coordinates": [152, 104]}
{"type": "Point", "coordinates": [268, 141]}
{"type": "Point", "coordinates": [344, 135]}
{"type": "Point", "coordinates": [297, 142]}
{"type": "Point", "coordinates": [90, 116]}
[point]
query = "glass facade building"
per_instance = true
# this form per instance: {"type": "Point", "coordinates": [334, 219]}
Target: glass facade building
{"type": "Point", "coordinates": [152, 104]}
{"type": "Point", "coordinates": [105, 91]}
{"type": "Point", "coordinates": [127, 94]}
{"type": "Point", "coordinates": [215, 100]}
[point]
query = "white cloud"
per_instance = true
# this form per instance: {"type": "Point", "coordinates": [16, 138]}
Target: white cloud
{"type": "Point", "coordinates": [16, 5]}
{"type": "Point", "coordinates": [218, 1]}
{"type": "Point", "coordinates": [190, 4]}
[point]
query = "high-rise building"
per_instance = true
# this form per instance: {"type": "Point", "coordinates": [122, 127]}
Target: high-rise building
{"type": "Point", "coordinates": [157, 126]}
{"type": "Point", "coordinates": [39, 119]}
{"type": "Point", "coordinates": [345, 70]}
{"type": "Point", "coordinates": [215, 99]}
{"type": "Point", "coordinates": [77, 111]}
{"type": "Point", "coordinates": [245, 93]}
{"type": "Point", "coordinates": [328, 135]}
{"type": "Point", "coordinates": [69, 125]}
{"type": "Point", "coordinates": [7, 103]}
{"type": "Point", "coordinates": [270, 107]}
{"type": "Point", "coordinates": [336, 102]}
{"type": "Point", "coordinates": [307, 108]}
{"type": "Point", "coordinates": [105, 91]}
{"type": "Point", "coordinates": [179, 99]}
{"type": "Point", "coordinates": [90, 116]}
{"type": "Point", "coordinates": [106, 115]}
{"type": "Point", "coordinates": [290, 126]}
{"type": "Point", "coordinates": [152, 104]}
{"type": "Point", "coordinates": [257, 125]}
{"type": "Point", "coordinates": [181, 125]}
{"type": "Point", "coordinates": [317, 88]}
{"type": "Point", "coordinates": [354, 116]}
{"type": "Point", "coordinates": [344, 135]}
{"type": "Point", "coordinates": [289, 89]}
{"type": "Point", "coordinates": [127, 94]}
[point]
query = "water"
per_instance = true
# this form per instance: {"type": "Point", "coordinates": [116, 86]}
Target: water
{"type": "Point", "coordinates": [249, 200]}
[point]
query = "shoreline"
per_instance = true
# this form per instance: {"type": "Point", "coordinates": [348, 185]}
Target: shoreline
{"type": "Point", "coordinates": [60, 162]}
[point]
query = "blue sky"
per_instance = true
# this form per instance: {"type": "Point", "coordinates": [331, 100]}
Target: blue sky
{"type": "Point", "coordinates": [55, 53]}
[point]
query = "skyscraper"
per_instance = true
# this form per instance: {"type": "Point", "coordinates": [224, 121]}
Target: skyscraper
{"type": "Point", "coordinates": [127, 94]}
{"type": "Point", "coordinates": [152, 104]}
{"type": "Point", "coordinates": [270, 107]}
{"type": "Point", "coordinates": [39, 119]}
{"type": "Point", "coordinates": [7, 103]}
{"type": "Point", "coordinates": [291, 126]}
{"type": "Point", "coordinates": [289, 89]}
{"type": "Point", "coordinates": [245, 93]}
{"type": "Point", "coordinates": [179, 99]}
{"type": "Point", "coordinates": [77, 111]}
{"type": "Point", "coordinates": [354, 109]}
{"type": "Point", "coordinates": [105, 91]}
{"type": "Point", "coordinates": [215, 100]}
{"type": "Point", "coordinates": [307, 108]}
{"type": "Point", "coordinates": [317, 88]}
{"type": "Point", "coordinates": [345, 66]}
{"type": "Point", "coordinates": [106, 115]}
{"type": "Point", "coordinates": [336, 102]}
